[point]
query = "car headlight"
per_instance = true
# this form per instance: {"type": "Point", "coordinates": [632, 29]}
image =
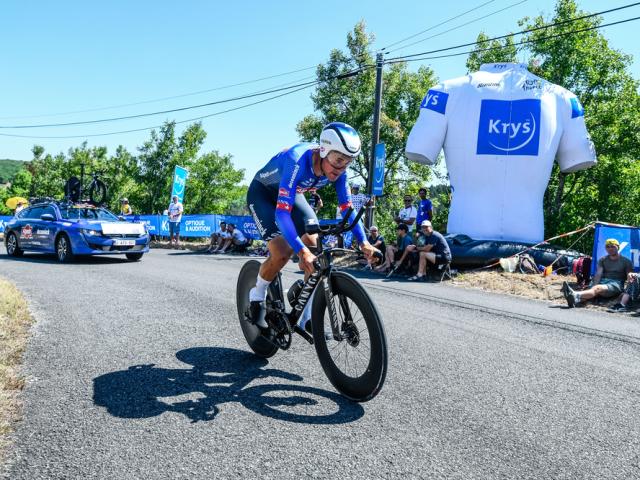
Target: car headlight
{"type": "Point", "coordinates": [91, 233]}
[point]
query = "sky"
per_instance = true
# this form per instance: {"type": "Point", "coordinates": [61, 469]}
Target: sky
{"type": "Point", "coordinates": [70, 61]}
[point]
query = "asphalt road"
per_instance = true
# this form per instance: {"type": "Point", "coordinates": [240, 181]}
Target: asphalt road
{"type": "Point", "coordinates": [140, 371]}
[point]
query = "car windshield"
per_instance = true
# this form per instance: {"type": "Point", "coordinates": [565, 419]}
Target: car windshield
{"type": "Point", "coordinates": [87, 213]}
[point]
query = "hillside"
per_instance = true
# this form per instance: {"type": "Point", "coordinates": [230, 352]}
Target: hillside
{"type": "Point", "coordinates": [8, 168]}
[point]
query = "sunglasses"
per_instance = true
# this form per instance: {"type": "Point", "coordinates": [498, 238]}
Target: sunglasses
{"type": "Point", "coordinates": [341, 163]}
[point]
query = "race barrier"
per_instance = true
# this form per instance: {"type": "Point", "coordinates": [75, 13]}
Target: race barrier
{"type": "Point", "coordinates": [196, 225]}
{"type": "Point", "coordinates": [4, 219]}
{"type": "Point", "coordinates": [628, 236]}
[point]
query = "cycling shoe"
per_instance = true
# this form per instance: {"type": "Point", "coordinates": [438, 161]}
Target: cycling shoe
{"type": "Point", "coordinates": [258, 312]}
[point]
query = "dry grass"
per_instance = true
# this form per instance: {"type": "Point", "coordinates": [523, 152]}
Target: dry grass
{"type": "Point", "coordinates": [530, 286]}
{"type": "Point", "coordinates": [15, 321]}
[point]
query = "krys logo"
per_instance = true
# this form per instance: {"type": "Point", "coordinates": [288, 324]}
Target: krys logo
{"type": "Point", "coordinates": [436, 101]}
{"type": "Point", "coordinates": [179, 183]}
{"type": "Point", "coordinates": [509, 127]}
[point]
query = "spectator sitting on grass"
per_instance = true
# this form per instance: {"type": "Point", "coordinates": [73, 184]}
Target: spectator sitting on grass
{"type": "Point", "coordinates": [377, 241]}
{"type": "Point", "coordinates": [434, 250]}
{"type": "Point", "coordinates": [609, 279]}
{"type": "Point", "coordinates": [236, 241]}
{"type": "Point", "coordinates": [631, 294]}
{"type": "Point", "coordinates": [218, 237]}
{"type": "Point", "coordinates": [396, 254]}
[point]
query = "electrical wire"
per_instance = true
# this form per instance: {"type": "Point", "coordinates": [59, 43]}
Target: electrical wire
{"type": "Point", "coordinates": [336, 77]}
{"type": "Point", "coordinates": [542, 27]}
{"type": "Point", "coordinates": [435, 26]}
{"type": "Point", "coordinates": [460, 26]}
{"type": "Point", "coordinates": [162, 99]}
{"type": "Point", "coordinates": [524, 42]}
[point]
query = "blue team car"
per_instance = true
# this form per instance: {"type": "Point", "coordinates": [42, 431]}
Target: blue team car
{"type": "Point", "coordinates": [68, 229]}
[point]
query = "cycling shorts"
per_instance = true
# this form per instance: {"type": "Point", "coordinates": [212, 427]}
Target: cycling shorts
{"type": "Point", "coordinates": [262, 201]}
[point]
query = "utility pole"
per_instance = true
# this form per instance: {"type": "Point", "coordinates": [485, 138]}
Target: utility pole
{"type": "Point", "coordinates": [375, 133]}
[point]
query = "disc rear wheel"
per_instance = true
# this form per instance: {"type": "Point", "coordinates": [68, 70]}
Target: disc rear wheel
{"type": "Point", "coordinates": [252, 333]}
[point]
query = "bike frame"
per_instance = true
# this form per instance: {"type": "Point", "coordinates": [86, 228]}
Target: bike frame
{"type": "Point", "coordinates": [322, 274]}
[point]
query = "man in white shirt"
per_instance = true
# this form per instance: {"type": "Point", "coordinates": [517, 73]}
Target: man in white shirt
{"type": "Point", "coordinates": [175, 216]}
{"type": "Point", "coordinates": [501, 129]}
{"type": "Point", "coordinates": [217, 238]}
{"type": "Point", "coordinates": [408, 214]}
{"type": "Point", "coordinates": [236, 240]}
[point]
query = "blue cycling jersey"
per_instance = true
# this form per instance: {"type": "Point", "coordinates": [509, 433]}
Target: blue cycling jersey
{"type": "Point", "coordinates": [291, 172]}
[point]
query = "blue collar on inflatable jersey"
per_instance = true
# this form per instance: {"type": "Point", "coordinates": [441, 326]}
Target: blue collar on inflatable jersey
{"type": "Point", "coordinates": [501, 67]}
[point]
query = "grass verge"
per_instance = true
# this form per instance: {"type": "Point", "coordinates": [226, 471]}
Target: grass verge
{"type": "Point", "coordinates": [15, 321]}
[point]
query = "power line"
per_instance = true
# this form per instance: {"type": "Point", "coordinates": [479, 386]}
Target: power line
{"type": "Point", "coordinates": [542, 27]}
{"type": "Point", "coordinates": [524, 42]}
{"type": "Point", "coordinates": [199, 92]}
{"type": "Point", "coordinates": [305, 86]}
{"type": "Point", "coordinates": [460, 26]}
{"type": "Point", "coordinates": [436, 26]}
{"type": "Point", "coordinates": [149, 114]}
{"type": "Point", "coordinates": [158, 126]}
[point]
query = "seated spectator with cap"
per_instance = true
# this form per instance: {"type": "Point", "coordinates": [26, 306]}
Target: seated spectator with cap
{"type": "Point", "coordinates": [433, 249]}
{"type": "Point", "coordinates": [396, 254]}
{"type": "Point", "coordinates": [609, 279]}
{"type": "Point", "coordinates": [377, 241]}
{"type": "Point", "coordinates": [125, 208]}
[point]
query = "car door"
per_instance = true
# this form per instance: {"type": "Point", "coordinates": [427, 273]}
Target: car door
{"type": "Point", "coordinates": [27, 226]}
{"type": "Point", "coordinates": [45, 230]}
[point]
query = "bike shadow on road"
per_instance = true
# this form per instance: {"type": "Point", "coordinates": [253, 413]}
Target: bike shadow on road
{"type": "Point", "coordinates": [218, 375]}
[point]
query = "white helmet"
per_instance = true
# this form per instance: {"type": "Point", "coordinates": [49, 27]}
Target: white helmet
{"type": "Point", "coordinates": [340, 137]}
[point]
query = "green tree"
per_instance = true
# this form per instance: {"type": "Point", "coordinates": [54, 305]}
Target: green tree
{"type": "Point", "coordinates": [351, 100]}
{"type": "Point", "coordinates": [491, 52]}
{"type": "Point", "coordinates": [598, 74]}
{"type": "Point", "coordinates": [213, 184]}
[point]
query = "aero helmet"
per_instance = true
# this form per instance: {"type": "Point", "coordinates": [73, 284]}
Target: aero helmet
{"type": "Point", "coordinates": [340, 137]}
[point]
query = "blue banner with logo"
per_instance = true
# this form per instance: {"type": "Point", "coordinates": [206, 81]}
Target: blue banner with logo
{"type": "Point", "coordinates": [4, 219]}
{"type": "Point", "coordinates": [629, 238]}
{"type": "Point", "coordinates": [509, 127]}
{"type": "Point", "coordinates": [378, 169]}
{"type": "Point", "coordinates": [197, 225]}
{"type": "Point", "coordinates": [179, 182]}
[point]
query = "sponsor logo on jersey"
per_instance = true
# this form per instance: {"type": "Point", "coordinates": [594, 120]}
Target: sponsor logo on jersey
{"type": "Point", "coordinates": [436, 101]}
{"type": "Point", "coordinates": [532, 84]}
{"type": "Point", "coordinates": [488, 84]}
{"type": "Point", "coordinates": [576, 108]}
{"type": "Point", "coordinates": [509, 127]}
{"type": "Point", "coordinates": [268, 174]}
{"type": "Point", "coordinates": [283, 192]}
{"type": "Point", "coordinates": [293, 175]}
{"type": "Point", "coordinates": [284, 206]}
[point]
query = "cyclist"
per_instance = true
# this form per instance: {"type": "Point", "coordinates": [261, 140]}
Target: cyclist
{"type": "Point", "coordinates": [276, 201]}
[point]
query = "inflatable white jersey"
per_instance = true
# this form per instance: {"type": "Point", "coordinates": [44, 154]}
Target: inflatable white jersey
{"type": "Point", "coordinates": [501, 129]}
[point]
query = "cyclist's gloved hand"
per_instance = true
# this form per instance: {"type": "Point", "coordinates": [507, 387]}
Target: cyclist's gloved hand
{"type": "Point", "coordinates": [306, 261]}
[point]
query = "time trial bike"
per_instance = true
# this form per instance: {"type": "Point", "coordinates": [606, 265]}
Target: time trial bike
{"type": "Point", "coordinates": [347, 330]}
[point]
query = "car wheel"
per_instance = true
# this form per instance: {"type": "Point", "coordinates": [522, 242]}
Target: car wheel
{"type": "Point", "coordinates": [13, 250]}
{"type": "Point", "coordinates": [134, 257]}
{"type": "Point", "coordinates": [63, 249]}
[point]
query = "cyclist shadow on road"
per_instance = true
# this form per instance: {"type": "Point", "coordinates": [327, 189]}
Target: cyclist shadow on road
{"type": "Point", "coordinates": [217, 376]}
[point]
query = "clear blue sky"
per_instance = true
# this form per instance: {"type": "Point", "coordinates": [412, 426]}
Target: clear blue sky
{"type": "Point", "coordinates": [76, 55]}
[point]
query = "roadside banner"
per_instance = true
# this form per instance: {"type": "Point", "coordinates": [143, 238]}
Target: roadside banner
{"type": "Point", "coordinates": [179, 183]}
{"type": "Point", "coordinates": [4, 219]}
{"type": "Point", "coordinates": [628, 236]}
{"type": "Point", "coordinates": [378, 170]}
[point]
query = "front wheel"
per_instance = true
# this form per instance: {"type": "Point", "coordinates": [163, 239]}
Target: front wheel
{"type": "Point", "coordinates": [98, 192]}
{"type": "Point", "coordinates": [13, 249]}
{"type": "Point", "coordinates": [252, 333]}
{"type": "Point", "coordinates": [63, 249]}
{"type": "Point", "coordinates": [356, 365]}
